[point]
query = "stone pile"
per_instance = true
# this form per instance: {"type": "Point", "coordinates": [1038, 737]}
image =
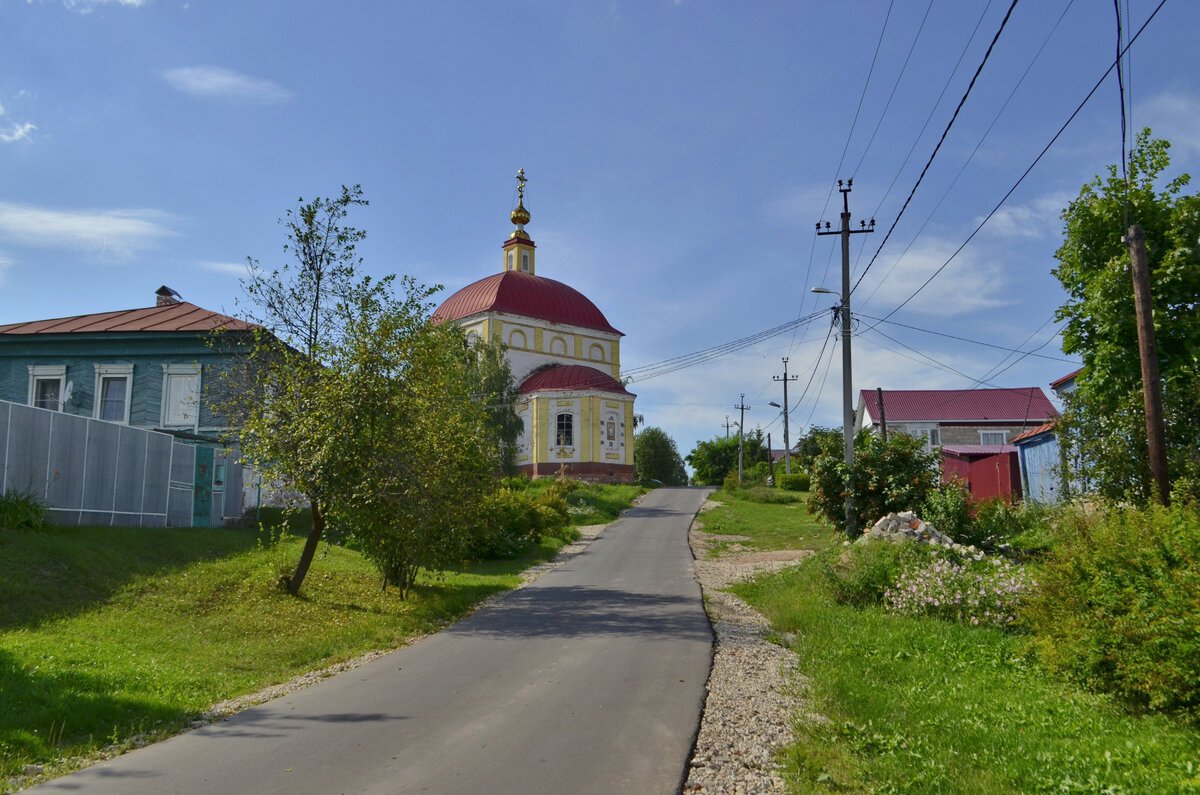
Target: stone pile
{"type": "Point", "coordinates": [907, 526]}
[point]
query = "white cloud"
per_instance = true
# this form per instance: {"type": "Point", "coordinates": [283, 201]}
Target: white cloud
{"type": "Point", "coordinates": [216, 81]}
{"type": "Point", "coordinates": [1039, 219]}
{"type": "Point", "coordinates": [106, 234]}
{"type": "Point", "coordinates": [240, 269]}
{"type": "Point", "coordinates": [16, 132]}
{"type": "Point", "coordinates": [87, 6]}
{"type": "Point", "coordinates": [966, 286]}
{"type": "Point", "coordinates": [1175, 117]}
{"type": "Point", "coordinates": [5, 264]}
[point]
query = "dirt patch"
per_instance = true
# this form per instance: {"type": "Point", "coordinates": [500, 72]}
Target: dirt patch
{"type": "Point", "coordinates": [767, 557]}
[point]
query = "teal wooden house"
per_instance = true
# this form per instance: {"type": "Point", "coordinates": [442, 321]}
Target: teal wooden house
{"type": "Point", "coordinates": [147, 370]}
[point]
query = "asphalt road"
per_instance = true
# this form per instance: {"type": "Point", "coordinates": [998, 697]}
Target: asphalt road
{"type": "Point", "coordinates": [589, 680]}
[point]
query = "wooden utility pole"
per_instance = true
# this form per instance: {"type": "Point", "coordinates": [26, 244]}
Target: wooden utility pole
{"type": "Point", "coordinates": [1148, 351]}
{"type": "Point", "coordinates": [787, 441]}
{"type": "Point", "coordinates": [847, 391]}
{"type": "Point", "coordinates": [882, 415]}
{"type": "Point", "coordinates": [741, 433]}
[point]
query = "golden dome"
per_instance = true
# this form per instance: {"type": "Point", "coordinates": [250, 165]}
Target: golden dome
{"type": "Point", "coordinates": [520, 216]}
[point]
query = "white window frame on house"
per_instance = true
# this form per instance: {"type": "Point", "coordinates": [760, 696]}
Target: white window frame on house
{"type": "Point", "coordinates": [933, 437]}
{"type": "Point", "coordinates": [564, 431]}
{"type": "Point", "coordinates": [113, 372]}
{"type": "Point", "coordinates": [48, 372]}
{"type": "Point", "coordinates": [1002, 434]}
{"type": "Point", "coordinates": [176, 373]}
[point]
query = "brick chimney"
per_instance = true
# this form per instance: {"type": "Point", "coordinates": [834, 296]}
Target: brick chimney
{"type": "Point", "coordinates": [166, 296]}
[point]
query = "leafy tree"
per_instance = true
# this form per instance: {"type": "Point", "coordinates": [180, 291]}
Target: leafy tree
{"type": "Point", "coordinates": [492, 385]}
{"type": "Point", "coordinates": [283, 404]}
{"type": "Point", "coordinates": [655, 456]}
{"type": "Point", "coordinates": [416, 454]}
{"type": "Point", "coordinates": [712, 460]}
{"type": "Point", "coordinates": [1105, 420]}
{"type": "Point", "coordinates": [896, 476]}
{"type": "Point", "coordinates": [808, 446]}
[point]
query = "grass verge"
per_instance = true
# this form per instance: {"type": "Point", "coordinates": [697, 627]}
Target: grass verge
{"type": "Point", "coordinates": [895, 704]}
{"type": "Point", "coordinates": [107, 634]}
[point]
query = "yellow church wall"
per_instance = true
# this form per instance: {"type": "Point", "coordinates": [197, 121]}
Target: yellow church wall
{"type": "Point", "coordinates": [538, 339]}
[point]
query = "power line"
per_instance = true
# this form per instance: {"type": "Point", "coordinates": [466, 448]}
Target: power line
{"type": "Point", "coordinates": [946, 132]}
{"type": "Point", "coordinates": [964, 339]}
{"type": "Point", "coordinates": [962, 169]}
{"type": "Point", "coordinates": [1036, 160]}
{"type": "Point", "coordinates": [891, 96]}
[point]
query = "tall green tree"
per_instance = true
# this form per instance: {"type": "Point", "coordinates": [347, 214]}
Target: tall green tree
{"type": "Point", "coordinates": [655, 456]}
{"type": "Point", "coordinates": [1104, 423]}
{"type": "Point", "coordinates": [283, 403]}
{"type": "Point", "coordinates": [417, 455]}
{"type": "Point", "coordinates": [492, 385]}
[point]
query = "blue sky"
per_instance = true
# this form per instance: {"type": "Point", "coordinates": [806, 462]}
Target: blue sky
{"type": "Point", "coordinates": [678, 154]}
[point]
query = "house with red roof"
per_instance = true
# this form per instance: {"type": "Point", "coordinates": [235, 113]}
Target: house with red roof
{"type": "Point", "coordinates": [565, 356]}
{"type": "Point", "coordinates": [109, 417]}
{"type": "Point", "coordinates": [973, 428]}
{"type": "Point", "coordinates": [146, 367]}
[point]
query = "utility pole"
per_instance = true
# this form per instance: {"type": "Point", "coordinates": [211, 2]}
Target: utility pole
{"type": "Point", "coordinates": [1135, 239]}
{"type": "Point", "coordinates": [787, 441]}
{"type": "Point", "coordinates": [882, 415]}
{"type": "Point", "coordinates": [770, 460]}
{"type": "Point", "coordinates": [741, 431]}
{"type": "Point", "coordinates": [844, 312]}
{"type": "Point", "coordinates": [728, 425]}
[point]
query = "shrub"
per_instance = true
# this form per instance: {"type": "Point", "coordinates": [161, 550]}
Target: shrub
{"type": "Point", "coordinates": [894, 476]}
{"type": "Point", "coordinates": [1118, 604]}
{"type": "Point", "coordinates": [797, 481]}
{"type": "Point", "coordinates": [863, 572]}
{"type": "Point", "coordinates": [768, 495]}
{"type": "Point", "coordinates": [516, 518]}
{"type": "Point", "coordinates": [984, 592]}
{"type": "Point", "coordinates": [20, 511]}
{"type": "Point", "coordinates": [731, 484]}
{"type": "Point", "coordinates": [948, 508]}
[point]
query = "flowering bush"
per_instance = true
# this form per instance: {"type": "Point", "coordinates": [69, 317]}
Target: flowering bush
{"type": "Point", "coordinates": [986, 593]}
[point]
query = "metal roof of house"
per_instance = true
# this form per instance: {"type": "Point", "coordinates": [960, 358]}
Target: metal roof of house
{"type": "Point", "coordinates": [181, 316]}
{"type": "Point", "coordinates": [527, 295]}
{"type": "Point", "coordinates": [1032, 432]}
{"type": "Point", "coordinates": [1056, 383]}
{"type": "Point", "coordinates": [978, 449]}
{"type": "Point", "coordinates": [1014, 406]}
{"type": "Point", "coordinates": [570, 377]}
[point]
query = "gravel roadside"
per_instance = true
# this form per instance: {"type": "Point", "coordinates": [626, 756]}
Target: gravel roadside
{"type": "Point", "coordinates": [750, 692]}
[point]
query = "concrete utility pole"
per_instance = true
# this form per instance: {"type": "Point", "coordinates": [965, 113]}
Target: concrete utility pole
{"type": "Point", "coordinates": [1135, 239]}
{"type": "Point", "coordinates": [741, 430]}
{"type": "Point", "coordinates": [787, 441]}
{"type": "Point", "coordinates": [728, 425]}
{"type": "Point", "coordinates": [770, 460]}
{"type": "Point", "coordinates": [844, 312]}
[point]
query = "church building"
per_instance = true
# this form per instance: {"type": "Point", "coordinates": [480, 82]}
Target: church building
{"type": "Point", "coordinates": [564, 354]}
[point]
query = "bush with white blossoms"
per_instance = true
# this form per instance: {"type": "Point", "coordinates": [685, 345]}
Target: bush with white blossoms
{"type": "Point", "coordinates": [980, 593]}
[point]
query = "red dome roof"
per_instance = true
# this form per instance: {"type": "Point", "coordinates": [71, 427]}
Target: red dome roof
{"type": "Point", "coordinates": [571, 377]}
{"type": "Point", "coordinates": [518, 293]}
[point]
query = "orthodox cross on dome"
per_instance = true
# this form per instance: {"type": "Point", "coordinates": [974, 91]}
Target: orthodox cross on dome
{"type": "Point", "coordinates": [520, 216]}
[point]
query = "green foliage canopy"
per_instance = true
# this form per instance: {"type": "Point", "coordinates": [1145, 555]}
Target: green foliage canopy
{"type": "Point", "coordinates": [656, 456]}
{"type": "Point", "coordinates": [1105, 420]}
{"type": "Point", "coordinates": [894, 476]}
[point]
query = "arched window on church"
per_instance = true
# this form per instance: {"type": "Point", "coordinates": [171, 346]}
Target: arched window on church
{"type": "Point", "coordinates": [472, 339]}
{"type": "Point", "coordinates": [565, 424]}
{"type": "Point", "coordinates": [517, 339]}
{"type": "Point", "coordinates": [558, 346]}
{"type": "Point", "coordinates": [510, 260]}
{"type": "Point", "coordinates": [525, 261]}
{"type": "Point", "coordinates": [596, 354]}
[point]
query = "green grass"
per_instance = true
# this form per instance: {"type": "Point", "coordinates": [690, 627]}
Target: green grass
{"type": "Point", "coordinates": [594, 503]}
{"type": "Point", "coordinates": [108, 633]}
{"type": "Point", "coordinates": [769, 526]}
{"type": "Point", "coordinates": [920, 705]}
